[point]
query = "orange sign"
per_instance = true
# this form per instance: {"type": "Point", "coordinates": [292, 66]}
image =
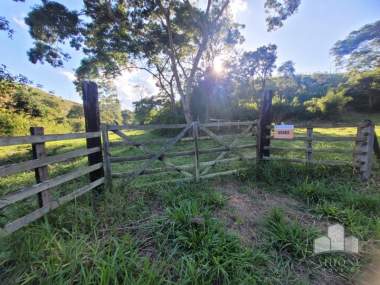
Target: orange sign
{"type": "Point", "coordinates": [285, 132]}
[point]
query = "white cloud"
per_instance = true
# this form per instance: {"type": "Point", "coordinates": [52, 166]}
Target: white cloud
{"type": "Point", "coordinates": [238, 6]}
{"type": "Point", "coordinates": [134, 85]}
{"type": "Point", "coordinates": [68, 74]}
{"type": "Point", "coordinates": [20, 22]}
{"type": "Point", "coordinates": [130, 86]}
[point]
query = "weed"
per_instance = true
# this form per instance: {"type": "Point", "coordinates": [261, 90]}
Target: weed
{"type": "Point", "coordinates": [354, 221]}
{"type": "Point", "coordinates": [288, 236]}
{"type": "Point", "coordinates": [207, 254]}
{"type": "Point", "coordinates": [316, 191]}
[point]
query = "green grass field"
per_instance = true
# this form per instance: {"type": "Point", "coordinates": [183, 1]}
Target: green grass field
{"type": "Point", "coordinates": [256, 227]}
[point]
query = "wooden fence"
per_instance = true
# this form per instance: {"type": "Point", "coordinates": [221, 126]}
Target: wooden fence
{"type": "Point", "coordinates": [192, 133]}
{"type": "Point", "coordinates": [44, 185]}
{"type": "Point", "coordinates": [365, 143]}
{"type": "Point", "coordinates": [101, 171]}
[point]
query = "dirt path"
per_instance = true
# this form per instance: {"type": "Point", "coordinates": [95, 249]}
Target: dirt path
{"type": "Point", "coordinates": [246, 210]}
{"type": "Point", "coordinates": [370, 274]}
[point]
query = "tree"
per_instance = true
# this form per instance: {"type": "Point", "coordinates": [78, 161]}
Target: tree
{"type": "Point", "coordinates": [329, 106]}
{"type": "Point", "coordinates": [25, 101]}
{"type": "Point", "coordinates": [364, 88]}
{"type": "Point", "coordinates": [75, 112]}
{"type": "Point", "coordinates": [4, 23]}
{"type": "Point", "coordinates": [360, 49]}
{"type": "Point", "coordinates": [287, 69]}
{"type": "Point", "coordinates": [110, 109]}
{"type": "Point", "coordinates": [279, 11]}
{"type": "Point", "coordinates": [258, 64]}
{"type": "Point", "coordinates": [253, 69]}
{"type": "Point", "coordinates": [172, 40]}
{"type": "Point", "coordinates": [143, 109]}
{"type": "Point", "coordinates": [127, 116]}
{"type": "Point", "coordinates": [286, 84]}
{"type": "Point", "coordinates": [9, 84]}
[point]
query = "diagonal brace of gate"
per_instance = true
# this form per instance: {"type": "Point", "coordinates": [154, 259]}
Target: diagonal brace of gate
{"type": "Point", "coordinates": [168, 164]}
{"type": "Point", "coordinates": [224, 153]}
{"type": "Point", "coordinates": [159, 155]}
{"type": "Point", "coordinates": [221, 142]}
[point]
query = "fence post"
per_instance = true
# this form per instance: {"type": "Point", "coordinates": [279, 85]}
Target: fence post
{"type": "Point", "coordinates": [106, 154]}
{"type": "Point", "coordinates": [92, 123]}
{"type": "Point", "coordinates": [363, 151]}
{"type": "Point", "coordinates": [196, 150]}
{"type": "Point", "coordinates": [41, 173]}
{"type": "Point", "coordinates": [263, 129]}
{"type": "Point", "coordinates": [376, 146]}
{"type": "Point", "coordinates": [309, 144]}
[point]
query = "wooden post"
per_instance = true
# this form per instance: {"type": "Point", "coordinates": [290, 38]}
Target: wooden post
{"type": "Point", "coordinates": [309, 144]}
{"type": "Point", "coordinates": [106, 155]}
{"type": "Point", "coordinates": [196, 150]}
{"type": "Point", "coordinates": [363, 152]}
{"type": "Point", "coordinates": [376, 146]}
{"type": "Point", "coordinates": [41, 173]}
{"type": "Point", "coordinates": [92, 122]}
{"type": "Point", "coordinates": [263, 126]}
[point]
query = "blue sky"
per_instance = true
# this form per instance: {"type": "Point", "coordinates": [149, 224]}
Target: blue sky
{"type": "Point", "coordinates": [306, 38]}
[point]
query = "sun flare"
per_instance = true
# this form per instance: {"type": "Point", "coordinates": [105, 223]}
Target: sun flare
{"type": "Point", "coordinates": [218, 65]}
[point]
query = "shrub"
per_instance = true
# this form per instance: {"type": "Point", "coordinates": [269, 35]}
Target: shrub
{"type": "Point", "coordinates": [353, 220]}
{"type": "Point", "coordinates": [26, 102]}
{"type": "Point", "coordinates": [333, 103]}
{"type": "Point", "coordinates": [76, 111]}
{"type": "Point", "coordinates": [77, 126]}
{"type": "Point", "coordinates": [330, 106]}
{"type": "Point", "coordinates": [168, 116]}
{"type": "Point", "coordinates": [13, 124]}
{"type": "Point", "coordinates": [245, 111]}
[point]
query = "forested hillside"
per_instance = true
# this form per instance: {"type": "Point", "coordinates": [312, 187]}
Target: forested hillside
{"type": "Point", "coordinates": [23, 106]}
{"type": "Point", "coordinates": [350, 96]}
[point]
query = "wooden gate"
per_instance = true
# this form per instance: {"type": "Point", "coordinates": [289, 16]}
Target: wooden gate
{"type": "Point", "coordinates": [189, 136]}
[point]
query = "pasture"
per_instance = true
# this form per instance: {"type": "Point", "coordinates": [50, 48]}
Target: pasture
{"type": "Point", "coordinates": [255, 227]}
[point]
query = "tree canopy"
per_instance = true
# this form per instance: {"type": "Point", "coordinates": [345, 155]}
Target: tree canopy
{"type": "Point", "coordinates": [4, 23]}
{"type": "Point", "coordinates": [175, 41]}
{"type": "Point", "coordinates": [360, 49]}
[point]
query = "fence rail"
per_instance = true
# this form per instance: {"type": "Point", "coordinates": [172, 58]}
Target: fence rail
{"type": "Point", "coordinates": [36, 163]}
{"type": "Point", "coordinates": [331, 150]}
{"type": "Point", "coordinates": [320, 138]}
{"type": "Point", "coordinates": [39, 213]}
{"type": "Point", "coordinates": [7, 141]}
{"type": "Point", "coordinates": [306, 161]}
{"type": "Point", "coordinates": [176, 126]}
{"type": "Point", "coordinates": [162, 141]}
{"type": "Point", "coordinates": [43, 183]}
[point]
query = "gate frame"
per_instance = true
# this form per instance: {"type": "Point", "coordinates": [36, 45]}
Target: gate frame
{"type": "Point", "coordinates": [200, 169]}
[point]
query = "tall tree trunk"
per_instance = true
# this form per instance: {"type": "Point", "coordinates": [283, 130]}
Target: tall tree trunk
{"type": "Point", "coordinates": [207, 101]}
{"type": "Point", "coordinates": [186, 89]}
{"type": "Point", "coordinates": [186, 109]}
{"type": "Point", "coordinates": [172, 97]}
{"type": "Point", "coordinates": [370, 101]}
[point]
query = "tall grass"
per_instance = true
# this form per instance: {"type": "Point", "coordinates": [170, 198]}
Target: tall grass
{"type": "Point", "coordinates": [183, 244]}
{"type": "Point", "coordinates": [169, 234]}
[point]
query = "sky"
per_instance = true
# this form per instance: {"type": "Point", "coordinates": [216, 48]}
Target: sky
{"type": "Point", "coordinates": [306, 38]}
